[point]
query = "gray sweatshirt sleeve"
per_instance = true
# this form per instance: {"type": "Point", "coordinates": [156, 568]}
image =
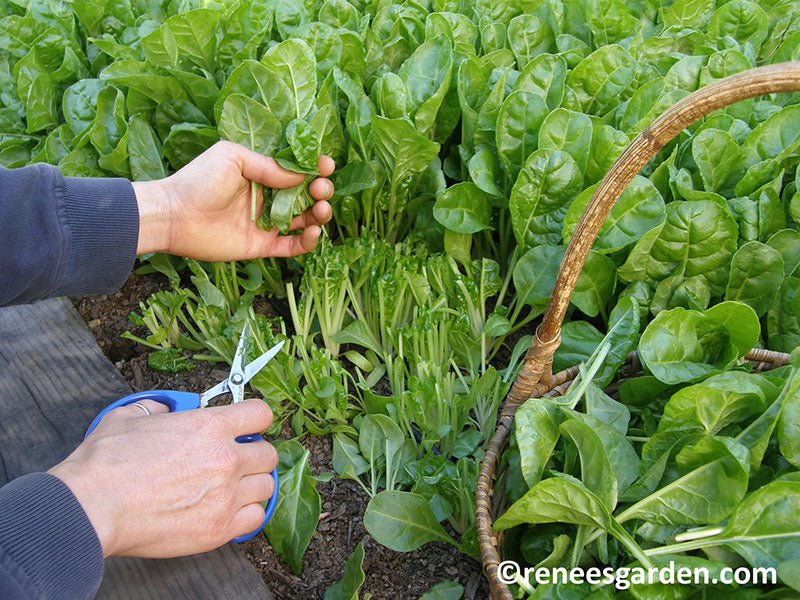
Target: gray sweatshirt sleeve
{"type": "Point", "coordinates": [48, 548]}
{"type": "Point", "coordinates": [58, 236]}
{"type": "Point", "coordinates": [64, 236]}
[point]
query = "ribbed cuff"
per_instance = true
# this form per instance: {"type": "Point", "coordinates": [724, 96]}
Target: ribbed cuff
{"type": "Point", "coordinates": [102, 218]}
{"type": "Point", "coordinates": [47, 543]}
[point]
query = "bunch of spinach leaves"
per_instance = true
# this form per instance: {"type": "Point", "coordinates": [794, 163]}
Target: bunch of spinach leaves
{"type": "Point", "coordinates": [699, 454]}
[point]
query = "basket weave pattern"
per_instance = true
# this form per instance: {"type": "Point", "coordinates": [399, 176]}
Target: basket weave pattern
{"type": "Point", "coordinates": [535, 378]}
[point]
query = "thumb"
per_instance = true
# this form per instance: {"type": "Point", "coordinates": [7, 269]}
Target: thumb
{"type": "Point", "coordinates": [265, 170]}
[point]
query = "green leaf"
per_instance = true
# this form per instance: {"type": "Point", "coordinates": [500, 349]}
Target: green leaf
{"type": "Point", "coordinates": [765, 529]}
{"type": "Point", "coordinates": [688, 13]}
{"type": "Point", "coordinates": [758, 217]}
{"type": "Point", "coordinates": [529, 36]}
{"type": "Point", "coordinates": [331, 135]}
{"type": "Point", "coordinates": [145, 151]}
{"type": "Point", "coordinates": [718, 402]}
{"type": "Point", "coordinates": [346, 455]}
{"type": "Point", "coordinates": [403, 151]}
{"type": "Point", "coordinates": [536, 425]}
{"type": "Point", "coordinates": [287, 203]}
{"type": "Point", "coordinates": [186, 141]}
{"type": "Point", "coordinates": [604, 408]}
{"type": "Point", "coordinates": [565, 500]}
{"type": "Point", "coordinates": [145, 79]}
{"type": "Point", "coordinates": [403, 521]}
{"type": "Point", "coordinates": [354, 177]}
{"type": "Point", "coordinates": [709, 492]}
{"type": "Point", "coordinates": [326, 44]}
{"type": "Point", "coordinates": [757, 272]}
{"type": "Point", "coordinates": [379, 438]}
{"type": "Point", "coordinates": [110, 123]}
{"type": "Point", "coordinates": [535, 273]}
{"type": "Point", "coordinates": [485, 171]}
{"type": "Point", "coordinates": [556, 500]}
{"type": "Point", "coordinates": [601, 78]}
{"type": "Point", "coordinates": [295, 63]}
{"type": "Point", "coordinates": [305, 144]}
{"type": "Point", "coordinates": [261, 83]}
{"type": "Point", "coordinates": [697, 238]}
{"type": "Point", "coordinates": [546, 186]}
{"type": "Point", "coordinates": [297, 511]}
{"type": "Point", "coordinates": [250, 123]}
{"type": "Point", "coordinates": [610, 21]}
{"type": "Point", "coordinates": [79, 104]}
{"type": "Point", "coordinates": [472, 85]}
{"type": "Point", "coordinates": [518, 123]}
{"type": "Point", "coordinates": [545, 75]}
{"type": "Point", "coordinates": [719, 159]}
{"type": "Point", "coordinates": [579, 340]}
{"type": "Point", "coordinates": [756, 436]}
{"type": "Point", "coordinates": [783, 319]}
{"type": "Point", "coordinates": [685, 345]}
{"type": "Point", "coordinates": [787, 242]}
{"type": "Point", "coordinates": [596, 473]}
{"type": "Point", "coordinates": [774, 138]}
{"type": "Point", "coordinates": [788, 571]}
{"type": "Point", "coordinates": [187, 36]}
{"type": "Point", "coordinates": [639, 209]}
{"type": "Point", "coordinates": [169, 360]}
{"type": "Point", "coordinates": [463, 208]}
{"type": "Point", "coordinates": [595, 284]}
{"type": "Point", "coordinates": [445, 590]}
{"type": "Point", "coordinates": [789, 427]}
{"type": "Point", "coordinates": [80, 163]}
{"type": "Point", "coordinates": [339, 14]}
{"type": "Point", "coordinates": [569, 131]}
{"type": "Point", "coordinates": [352, 580]}
{"type": "Point", "coordinates": [742, 20]}
{"type": "Point", "coordinates": [426, 75]}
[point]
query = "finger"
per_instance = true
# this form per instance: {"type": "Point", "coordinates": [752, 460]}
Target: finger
{"type": "Point", "coordinates": [319, 214]}
{"type": "Point", "coordinates": [250, 416]}
{"type": "Point", "coordinates": [285, 246]}
{"type": "Point", "coordinates": [321, 189]}
{"type": "Point", "coordinates": [256, 457]}
{"type": "Point", "coordinates": [255, 488]}
{"type": "Point", "coordinates": [325, 165]}
{"type": "Point", "coordinates": [247, 519]}
{"type": "Point", "coordinates": [265, 170]}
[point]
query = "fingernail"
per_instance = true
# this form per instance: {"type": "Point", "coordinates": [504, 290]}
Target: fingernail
{"type": "Point", "coordinates": [328, 189]}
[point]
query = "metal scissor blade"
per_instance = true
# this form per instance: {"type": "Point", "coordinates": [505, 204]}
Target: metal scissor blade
{"type": "Point", "coordinates": [219, 389]}
{"type": "Point", "coordinates": [254, 367]}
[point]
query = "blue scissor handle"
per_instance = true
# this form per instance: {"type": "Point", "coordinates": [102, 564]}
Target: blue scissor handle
{"type": "Point", "coordinates": [178, 402]}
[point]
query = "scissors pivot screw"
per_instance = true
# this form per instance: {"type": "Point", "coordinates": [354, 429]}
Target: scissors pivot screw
{"type": "Point", "coordinates": [240, 373]}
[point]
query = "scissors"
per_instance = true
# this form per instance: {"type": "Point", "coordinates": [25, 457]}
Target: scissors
{"type": "Point", "coordinates": [234, 384]}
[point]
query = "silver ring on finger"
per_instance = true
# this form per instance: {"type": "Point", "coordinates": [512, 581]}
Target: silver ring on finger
{"type": "Point", "coordinates": [143, 407]}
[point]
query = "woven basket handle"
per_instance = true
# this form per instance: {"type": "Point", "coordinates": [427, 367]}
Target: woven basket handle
{"type": "Point", "coordinates": [782, 77]}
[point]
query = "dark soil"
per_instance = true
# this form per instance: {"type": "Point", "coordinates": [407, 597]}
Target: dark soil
{"type": "Point", "coordinates": [390, 575]}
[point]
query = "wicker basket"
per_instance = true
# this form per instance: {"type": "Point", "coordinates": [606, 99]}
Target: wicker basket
{"type": "Point", "coordinates": [535, 378]}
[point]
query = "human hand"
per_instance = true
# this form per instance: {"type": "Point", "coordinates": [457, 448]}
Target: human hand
{"type": "Point", "coordinates": [203, 210]}
{"type": "Point", "coordinates": [174, 484]}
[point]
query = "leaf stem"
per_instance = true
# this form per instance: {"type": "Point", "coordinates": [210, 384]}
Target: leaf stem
{"type": "Point", "coordinates": [253, 200]}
